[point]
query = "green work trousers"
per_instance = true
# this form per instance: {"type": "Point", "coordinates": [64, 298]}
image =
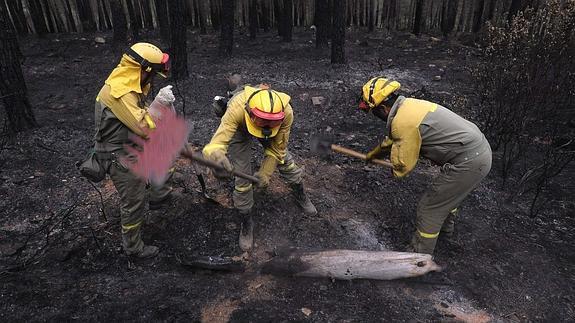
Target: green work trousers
{"type": "Point", "coordinates": [132, 191]}
{"type": "Point", "coordinates": [240, 154]}
{"type": "Point", "coordinates": [438, 206]}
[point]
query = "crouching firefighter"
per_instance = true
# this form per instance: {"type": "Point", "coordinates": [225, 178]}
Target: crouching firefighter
{"type": "Point", "coordinates": [121, 114]}
{"type": "Point", "coordinates": [418, 127]}
{"type": "Point", "coordinates": [266, 115]}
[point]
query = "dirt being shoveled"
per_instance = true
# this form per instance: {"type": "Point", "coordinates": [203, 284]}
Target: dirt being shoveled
{"type": "Point", "coordinates": [60, 237]}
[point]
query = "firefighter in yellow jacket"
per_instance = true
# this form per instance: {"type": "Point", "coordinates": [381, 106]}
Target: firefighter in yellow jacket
{"type": "Point", "coordinates": [418, 127]}
{"type": "Point", "coordinates": [267, 115]}
{"type": "Point", "coordinates": [120, 114]}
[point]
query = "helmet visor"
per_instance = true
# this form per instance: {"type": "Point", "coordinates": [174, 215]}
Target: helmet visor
{"type": "Point", "coordinates": [266, 119]}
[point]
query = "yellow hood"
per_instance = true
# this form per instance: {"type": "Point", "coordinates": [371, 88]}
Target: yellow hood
{"type": "Point", "coordinates": [125, 78]}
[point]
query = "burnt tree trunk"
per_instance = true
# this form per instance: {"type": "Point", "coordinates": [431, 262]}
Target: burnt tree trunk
{"type": "Point", "coordinates": [13, 89]}
{"type": "Point", "coordinates": [253, 18]}
{"type": "Point", "coordinates": [38, 17]}
{"type": "Point", "coordinates": [278, 5]}
{"type": "Point", "coordinates": [134, 22]}
{"type": "Point", "coordinates": [120, 23]}
{"type": "Point", "coordinates": [448, 19]}
{"type": "Point", "coordinates": [287, 20]}
{"type": "Point", "coordinates": [227, 28]}
{"type": "Point", "coordinates": [178, 39]}
{"type": "Point", "coordinates": [322, 22]}
{"type": "Point", "coordinates": [371, 16]}
{"type": "Point", "coordinates": [202, 17]}
{"type": "Point", "coordinates": [163, 20]}
{"type": "Point", "coordinates": [338, 33]}
{"type": "Point", "coordinates": [215, 14]}
{"type": "Point", "coordinates": [514, 9]}
{"type": "Point", "coordinates": [265, 18]}
{"type": "Point", "coordinates": [417, 20]}
{"type": "Point", "coordinates": [478, 16]}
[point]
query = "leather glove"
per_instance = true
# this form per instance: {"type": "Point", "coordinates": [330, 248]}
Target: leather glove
{"type": "Point", "coordinates": [375, 152]}
{"type": "Point", "coordinates": [220, 157]}
{"type": "Point", "coordinates": [267, 168]}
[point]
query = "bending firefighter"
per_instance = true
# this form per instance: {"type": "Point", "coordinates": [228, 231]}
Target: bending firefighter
{"type": "Point", "coordinates": [121, 114]}
{"type": "Point", "coordinates": [418, 127]}
{"type": "Point", "coordinates": [266, 115]}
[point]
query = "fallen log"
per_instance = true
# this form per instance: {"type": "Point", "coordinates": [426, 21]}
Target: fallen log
{"type": "Point", "coordinates": [351, 264]}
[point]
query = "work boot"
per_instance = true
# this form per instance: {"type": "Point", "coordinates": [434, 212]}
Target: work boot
{"type": "Point", "coordinates": [246, 230]}
{"type": "Point", "coordinates": [449, 224]}
{"type": "Point", "coordinates": [147, 252]}
{"type": "Point", "coordinates": [172, 197]}
{"type": "Point", "coordinates": [302, 199]}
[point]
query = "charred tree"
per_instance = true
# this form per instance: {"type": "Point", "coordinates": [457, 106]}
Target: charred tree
{"type": "Point", "coordinates": [119, 22]}
{"type": "Point", "coordinates": [163, 20]}
{"type": "Point", "coordinates": [338, 33]}
{"type": "Point", "coordinates": [134, 21]}
{"type": "Point", "coordinates": [514, 9]}
{"type": "Point", "coordinates": [202, 16]}
{"type": "Point", "coordinates": [227, 28]}
{"type": "Point", "coordinates": [278, 10]}
{"type": "Point", "coordinates": [448, 19]}
{"type": "Point", "coordinates": [12, 85]}
{"type": "Point", "coordinates": [287, 20]}
{"type": "Point", "coordinates": [178, 39]}
{"type": "Point", "coordinates": [418, 19]}
{"type": "Point", "coordinates": [264, 17]}
{"type": "Point", "coordinates": [253, 18]}
{"type": "Point", "coordinates": [322, 22]}
{"type": "Point", "coordinates": [478, 16]}
{"type": "Point", "coordinates": [371, 16]}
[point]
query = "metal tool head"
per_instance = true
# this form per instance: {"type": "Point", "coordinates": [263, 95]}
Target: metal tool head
{"type": "Point", "coordinates": [321, 145]}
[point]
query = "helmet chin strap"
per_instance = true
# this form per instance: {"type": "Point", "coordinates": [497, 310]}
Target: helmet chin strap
{"type": "Point", "coordinates": [267, 132]}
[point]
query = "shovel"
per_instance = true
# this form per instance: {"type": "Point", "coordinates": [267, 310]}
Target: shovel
{"type": "Point", "coordinates": [323, 146]}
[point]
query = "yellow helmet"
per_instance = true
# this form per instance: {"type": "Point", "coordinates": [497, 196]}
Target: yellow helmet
{"type": "Point", "coordinates": [377, 90]}
{"type": "Point", "coordinates": [149, 57]}
{"type": "Point", "coordinates": [264, 111]}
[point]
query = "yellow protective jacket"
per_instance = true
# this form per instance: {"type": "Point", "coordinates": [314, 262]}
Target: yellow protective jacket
{"type": "Point", "coordinates": [120, 109]}
{"type": "Point", "coordinates": [419, 127]}
{"type": "Point", "coordinates": [234, 120]}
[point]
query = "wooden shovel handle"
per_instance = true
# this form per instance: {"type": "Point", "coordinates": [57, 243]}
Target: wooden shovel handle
{"type": "Point", "coordinates": [356, 154]}
{"type": "Point", "coordinates": [212, 164]}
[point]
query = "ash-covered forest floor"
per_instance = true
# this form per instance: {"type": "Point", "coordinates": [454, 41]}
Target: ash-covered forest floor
{"type": "Point", "coordinates": [60, 256]}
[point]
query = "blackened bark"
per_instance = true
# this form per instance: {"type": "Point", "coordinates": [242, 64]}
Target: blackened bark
{"type": "Point", "coordinates": [178, 39]}
{"type": "Point", "coordinates": [448, 19]}
{"type": "Point", "coordinates": [338, 35]}
{"type": "Point", "coordinates": [264, 17]}
{"type": "Point", "coordinates": [37, 17]}
{"type": "Point", "coordinates": [418, 21]}
{"type": "Point", "coordinates": [120, 23]}
{"type": "Point", "coordinates": [287, 20]}
{"type": "Point", "coordinates": [163, 20]}
{"type": "Point", "coordinates": [371, 16]}
{"type": "Point", "coordinates": [13, 89]}
{"type": "Point", "coordinates": [202, 16]}
{"type": "Point", "coordinates": [253, 12]}
{"type": "Point", "coordinates": [215, 14]}
{"type": "Point", "coordinates": [134, 22]}
{"type": "Point", "coordinates": [478, 16]}
{"type": "Point", "coordinates": [227, 28]}
{"type": "Point", "coordinates": [278, 10]}
{"type": "Point", "coordinates": [322, 22]}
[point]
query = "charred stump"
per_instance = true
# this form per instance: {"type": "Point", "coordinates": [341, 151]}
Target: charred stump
{"type": "Point", "coordinates": [13, 89]}
{"type": "Point", "coordinates": [287, 20]}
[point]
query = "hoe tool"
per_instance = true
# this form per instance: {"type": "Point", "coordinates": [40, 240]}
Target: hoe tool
{"type": "Point", "coordinates": [323, 146]}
